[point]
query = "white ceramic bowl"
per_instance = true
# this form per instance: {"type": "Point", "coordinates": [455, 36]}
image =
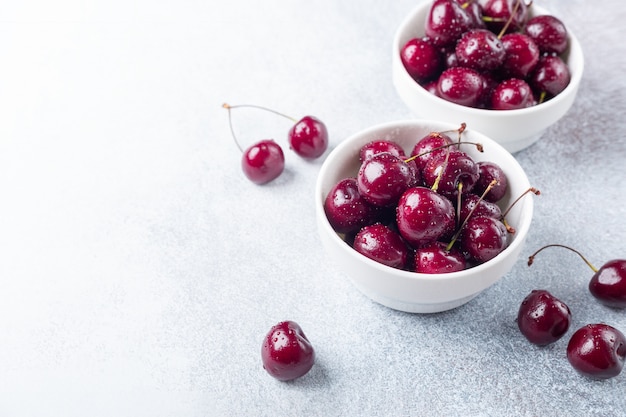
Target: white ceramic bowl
{"type": "Point", "coordinates": [513, 129]}
{"type": "Point", "coordinates": [410, 291]}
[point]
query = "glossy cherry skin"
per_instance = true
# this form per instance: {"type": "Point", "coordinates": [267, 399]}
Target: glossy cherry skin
{"type": "Point", "coordinates": [499, 12]}
{"type": "Point", "coordinates": [597, 351]}
{"type": "Point", "coordinates": [512, 94]}
{"type": "Point", "coordinates": [473, 205]}
{"type": "Point", "coordinates": [424, 216]}
{"type": "Point", "coordinates": [308, 137]}
{"type": "Point", "coordinates": [382, 244]}
{"type": "Point", "coordinates": [434, 258]}
{"type": "Point", "coordinates": [461, 85]}
{"type": "Point", "coordinates": [550, 75]}
{"type": "Point", "coordinates": [428, 147]}
{"type": "Point", "coordinates": [421, 59]}
{"type": "Point", "coordinates": [286, 352]}
{"type": "Point", "coordinates": [379, 146]}
{"type": "Point", "coordinates": [522, 55]}
{"type": "Point", "coordinates": [451, 170]}
{"type": "Point", "coordinates": [480, 49]}
{"type": "Point", "coordinates": [383, 178]}
{"type": "Point", "coordinates": [542, 318]}
{"type": "Point", "coordinates": [608, 285]}
{"type": "Point", "coordinates": [483, 238]}
{"type": "Point", "coordinates": [446, 21]}
{"type": "Point", "coordinates": [263, 161]}
{"type": "Point", "coordinates": [487, 172]}
{"type": "Point", "coordinates": [548, 32]}
{"type": "Point", "coordinates": [346, 210]}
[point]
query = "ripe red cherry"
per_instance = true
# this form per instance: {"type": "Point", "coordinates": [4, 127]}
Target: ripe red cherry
{"type": "Point", "coordinates": [421, 59]}
{"type": "Point", "coordinates": [286, 352]}
{"type": "Point", "coordinates": [437, 258]}
{"type": "Point", "coordinates": [382, 244]}
{"type": "Point", "coordinates": [551, 75]}
{"type": "Point", "coordinates": [522, 55]}
{"type": "Point", "coordinates": [424, 216]}
{"type": "Point", "coordinates": [512, 94]}
{"type": "Point", "coordinates": [483, 238]}
{"type": "Point", "coordinates": [263, 161]}
{"type": "Point", "coordinates": [308, 137]}
{"type": "Point", "coordinates": [346, 210]}
{"type": "Point", "coordinates": [509, 15]}
{"type": "Point", "coordinates": [461, 85]}
{"type": "Point", "coordinates": [597, 351]}
{"type": "Point", "coordinates": [428, 147]}
{"type": "Point", "coordinates": [489, 171]}
{"type": "Point", "coordinates": [548, 32]}
{"type": "Point", "coordinates": [473, 205]}
{"type": "Point", "coordinates": [608, 284]}
{"type": "Point", "coordinates": [383, 178]}
{"type": "Point", "coordinates": [480, 49]}
{"type": "Point", "coordinates": [446, 172]}
{"type": "Point", "coordinates": [379, 146]}
{"type": "Point", "coordinates": [542, 318]}
{"type": "Point", "coordinates": [446, 21]}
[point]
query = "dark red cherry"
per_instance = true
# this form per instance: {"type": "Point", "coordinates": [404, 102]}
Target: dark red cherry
{"type": "Point", "coordinates": [487, 172]}
{"type": "Point", "coordinates": [421, 59]}
{"type": "Point", "coordinates": [346, 210]}
{"type": "Point", "coordinates": [608, 284]}
{"type": "Point", "coordinates": [548, 32]}
{"type": "Point", "coordinates": [383, 178]}
{"type": "Point", "coordinates": [379, 146]}
{"type": "Point", "coordinates": [512, 94]}
{"type": "Point", "coordinates": [483, 238]}
{"type": "Point", "coordinates": [551, 75]}
{"type": "Point", "coordinates": [424, 216]}
{"type": "Point", "coordinates": [428, 147]}
{"type": "Point", "coordinates": [448, 172]}
{"type": "Point", "coordinates": [542, 318]}
{"type": "Point", "coordinates": [480, 49]}
{"type": "Point", "coordinates": [475, 13]}
{"type": "Point", "coordinates": [521, 55]}
{"type": "Point", "coordinates": [597, 351]}
{"type": "Point", "coordinates": [472, 204]}
{"type": "Point", "coordinates": [286, 352]}
{"type": "Point", "coordinates": [436, 258]}
{"type": "Point", "coordinates": [263, 161]}
{"type": "Point", "coordinates": [382, 244]}
{"type": "Point", "coordinates": [446, 21]}
{"type": "Point", "coordinates": [308, 137]}
{"type": "Point", "coordinates": [461, 85]}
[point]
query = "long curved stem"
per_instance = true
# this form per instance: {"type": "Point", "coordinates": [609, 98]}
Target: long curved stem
{"type": "Point", "coordinates": [531, 258]}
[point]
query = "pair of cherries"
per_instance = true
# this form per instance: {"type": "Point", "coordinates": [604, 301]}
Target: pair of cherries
{"type": "Point", "coordinates": [264, 161]}
{"type": "Point", "coordinates": [596, 350]}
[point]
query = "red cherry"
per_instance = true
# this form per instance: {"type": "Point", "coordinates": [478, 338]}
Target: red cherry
{"type": "Point", "coordinates": [522, 55]}
{"type": "Point", "coordinates": [542, 318]}
{"type": "Point", "coordinates": [437, 258]}
{"type": "Point", "coordinates": [489, 171]}
{"type": "Point", "coordinates": [597, 351]}
{"type": "Point", "coordinates": [263, 161]}
{"type": "Point", "coordinates": [512, 94]}
{"type": "Point", "coordinates": [346, 210]}
{"type": "Point", "coordinates": [461, 85]}
{"type": "Point", "coordinates": [308, 137]}
{"type": "Point", "coordinates": [383, 178]}
{"type": "Point", "coordinates": [550, 77]}
{"type": "Point", "coordinates": [548, 32]}
{"type": "Point", "coordinates": [446, 21]}
{"type": "Point", "coordinates": [483, 238]}
{"type": "Point", "coordinates": [286, 352]}
{"type": "Point", "coordinates": [421, 59]}
{"type": "Point", "coordinates": [382, 244]}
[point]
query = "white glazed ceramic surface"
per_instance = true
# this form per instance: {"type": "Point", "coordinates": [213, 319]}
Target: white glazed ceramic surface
{"type": "Point", "coordinates": [404, 290]}
{"type": "Point", "coordinates": [513, 129]}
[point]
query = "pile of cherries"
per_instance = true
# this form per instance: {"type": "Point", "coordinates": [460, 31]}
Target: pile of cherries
{"type": "Point", "coordinates": [264, 161]}
{"type": "Point", "coordinates": [595, 350]}
{"type": "Point", "coordinates": [432, 211]}
{"type": "Point", "coordinates": [489, 54]}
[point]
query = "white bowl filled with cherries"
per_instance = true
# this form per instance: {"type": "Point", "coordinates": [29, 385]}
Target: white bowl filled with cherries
{"type": "Point", "coordinates": [422, 216]}
{"type": "Point", "coordinates": [508, 68]}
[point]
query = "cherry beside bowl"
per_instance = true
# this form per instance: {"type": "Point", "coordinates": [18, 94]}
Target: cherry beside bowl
{"type": "Point", "coordinates": [513, 129]}
{"type": "Point", "coordinates": [410, 291]}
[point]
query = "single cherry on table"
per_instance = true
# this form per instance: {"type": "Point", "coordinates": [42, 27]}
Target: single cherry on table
{"type": "Point", "coordinates": [542, 318]}
{"type": "Point", "coordinates": [286, 352]}
{"type": "Point", "coordinates": [597, 351]}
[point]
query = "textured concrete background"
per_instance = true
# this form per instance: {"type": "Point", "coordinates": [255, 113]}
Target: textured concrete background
{"type": "Point", "coordinates": [139, 269]}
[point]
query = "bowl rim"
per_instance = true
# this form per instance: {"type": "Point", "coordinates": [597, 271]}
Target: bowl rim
{"type": "Point", "coordinates": [347, 144]}
{"type": "Point", "coordinates": [574, 49]}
